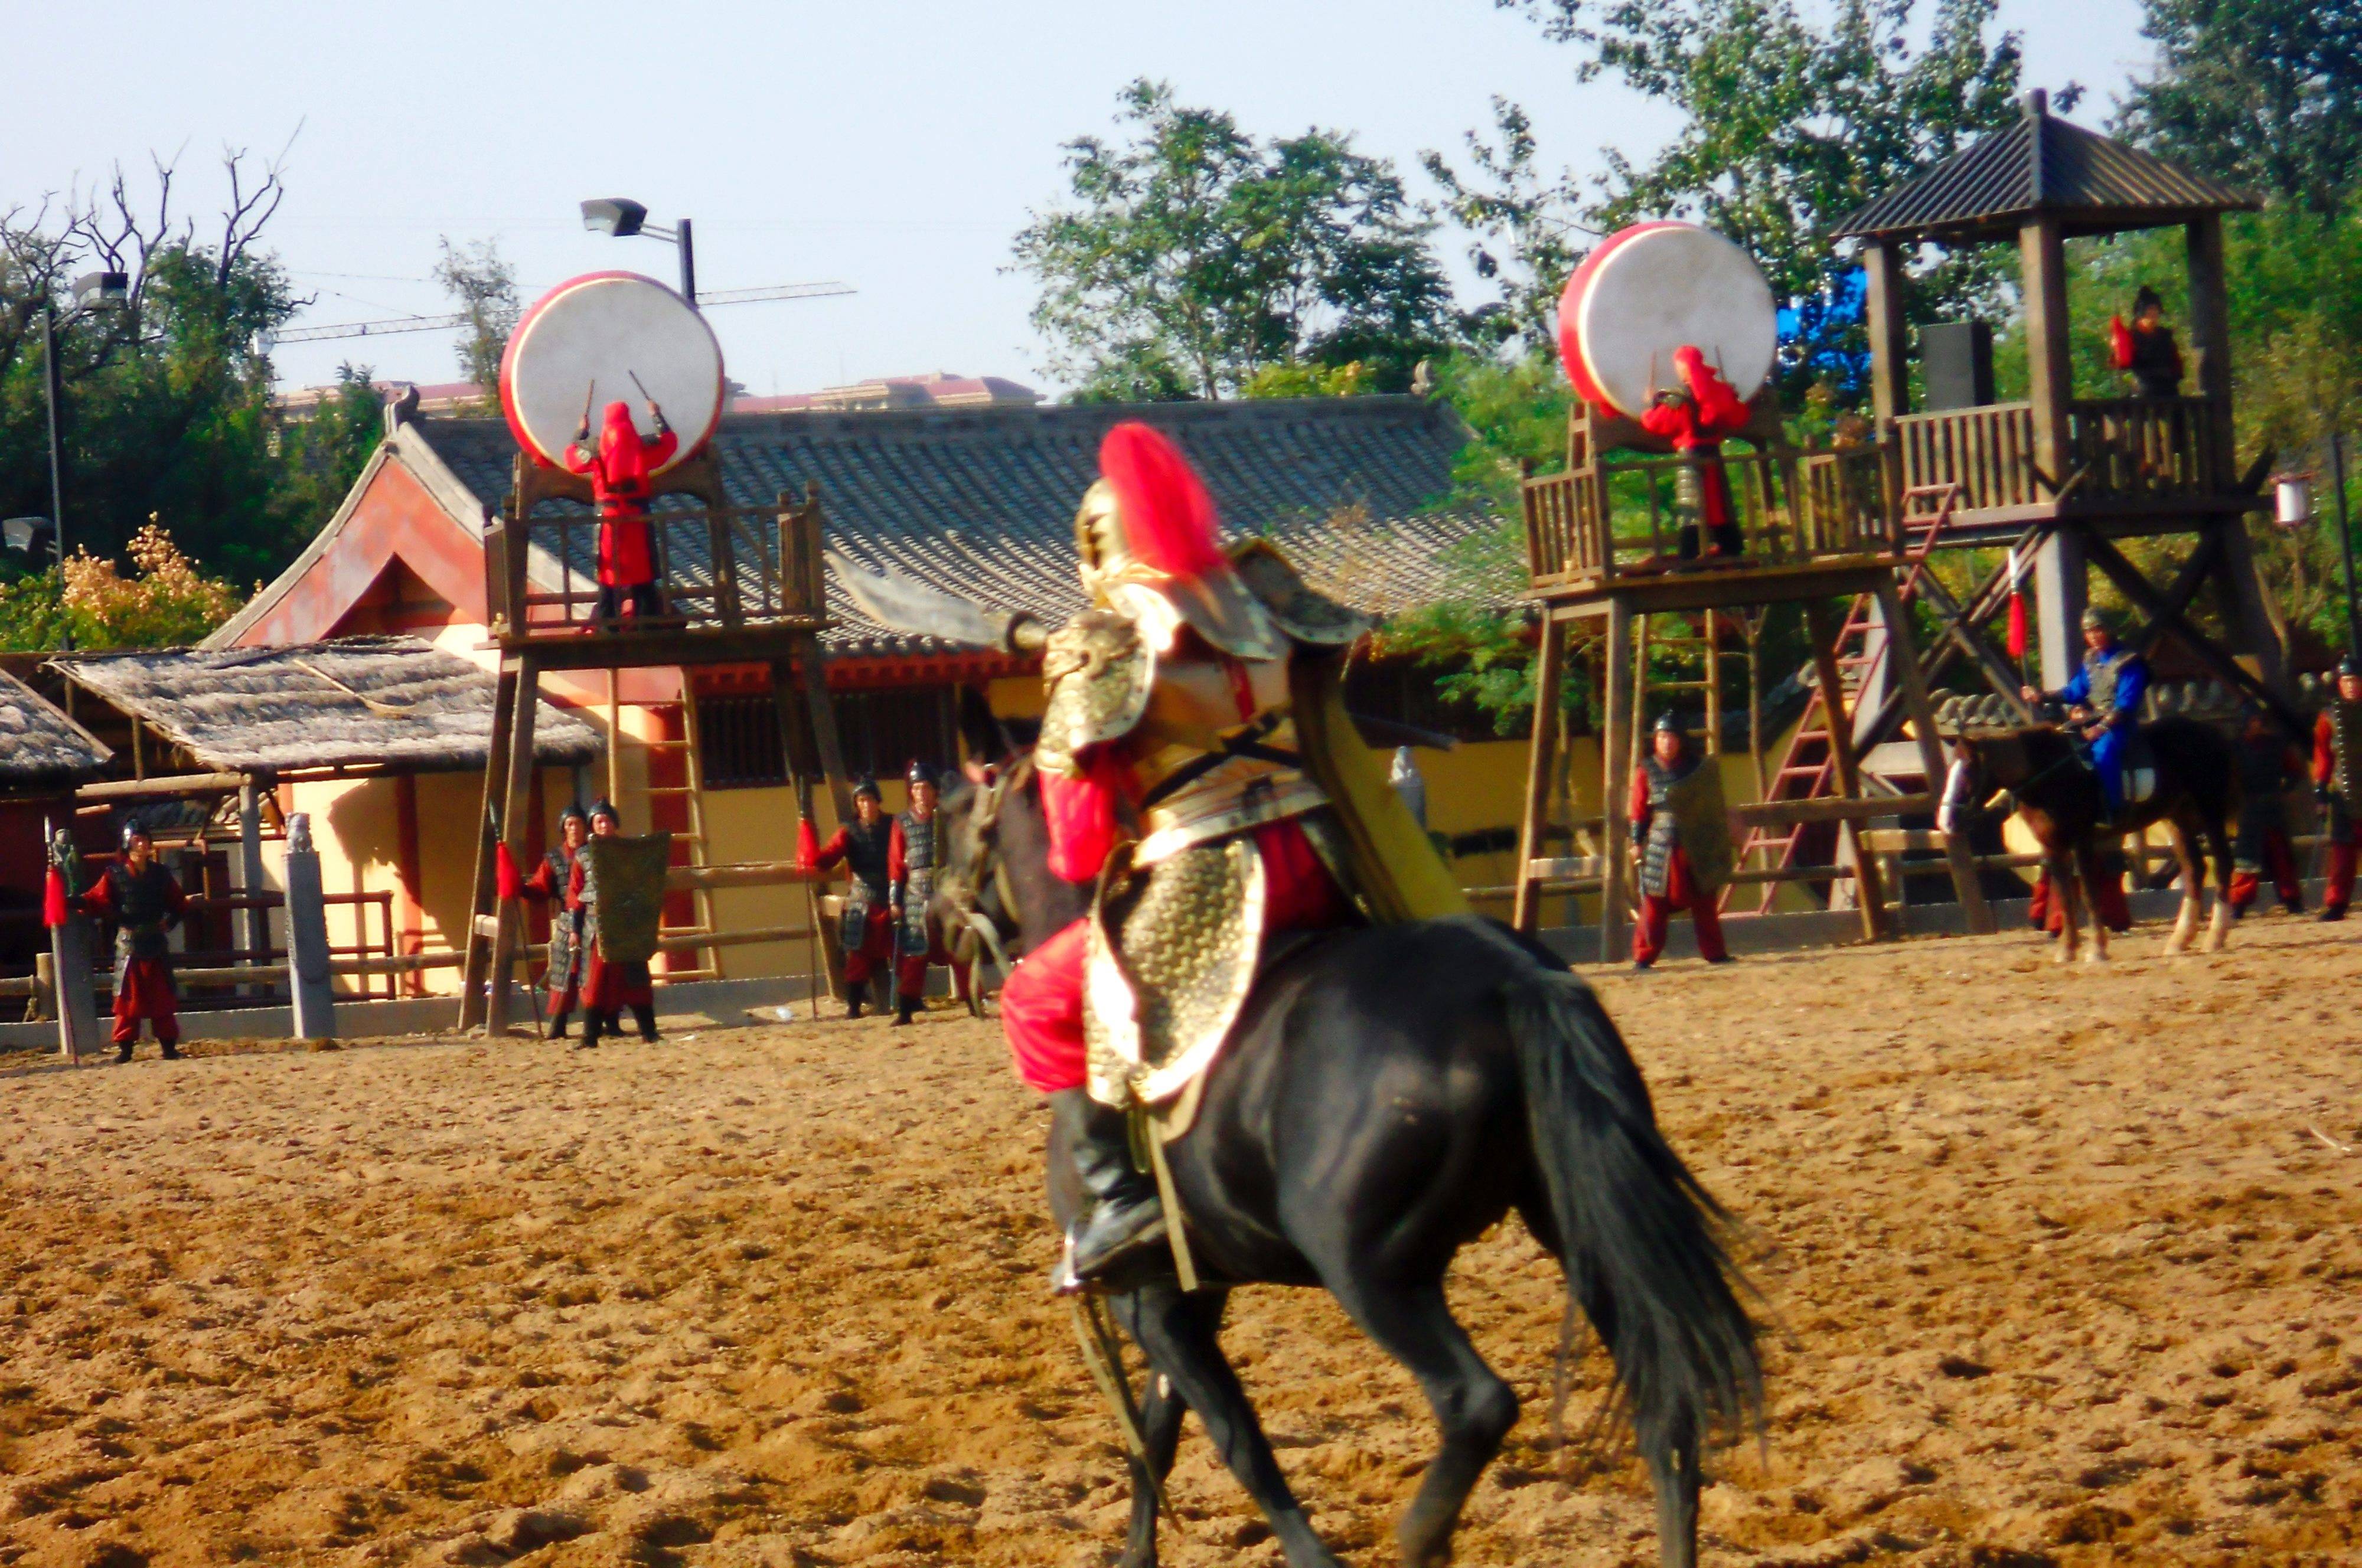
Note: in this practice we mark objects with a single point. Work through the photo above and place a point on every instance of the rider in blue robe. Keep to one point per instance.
(2103, 701)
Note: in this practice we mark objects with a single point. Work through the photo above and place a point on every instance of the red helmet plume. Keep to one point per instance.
(1161, 505)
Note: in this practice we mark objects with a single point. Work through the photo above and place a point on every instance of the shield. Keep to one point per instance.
(1704, 822)
(623, 881)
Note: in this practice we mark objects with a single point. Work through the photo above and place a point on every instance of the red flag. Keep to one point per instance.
(53, 899)
(807, 845)
(505, 871)
(2016, 625)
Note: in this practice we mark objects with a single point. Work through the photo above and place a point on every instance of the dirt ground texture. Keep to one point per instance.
(2061, 1268)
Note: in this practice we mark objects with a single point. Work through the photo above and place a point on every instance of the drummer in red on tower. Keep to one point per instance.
(1696, 416)
(622, 470)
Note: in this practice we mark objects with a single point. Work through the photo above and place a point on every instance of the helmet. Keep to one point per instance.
(918, 773)
(133, 829)
(2350, 668)
(1146, 535)
(2097, 620)
(607, 808)
(1670, 724)
(867, 786)
(573, 813)
(2145, 298)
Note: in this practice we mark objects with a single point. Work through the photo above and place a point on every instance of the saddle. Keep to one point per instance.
(2137, 766)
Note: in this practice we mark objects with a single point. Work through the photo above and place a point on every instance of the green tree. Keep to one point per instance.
(1192, 256)
(1787, 127)
(2264, 94)
(483, 285)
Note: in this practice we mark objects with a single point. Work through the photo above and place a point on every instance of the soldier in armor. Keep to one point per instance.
(557, 882)
(1684, 842)
(914, 862)
(1191, 769)
(2268, 765)
(144, 902)
(2337, 783)
(1696, 416)
(865, 846)
(2146, 350)
(2103, 701)
(608, 988)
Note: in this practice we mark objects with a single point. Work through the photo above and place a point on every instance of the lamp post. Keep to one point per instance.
(623, 217)
(90, 291)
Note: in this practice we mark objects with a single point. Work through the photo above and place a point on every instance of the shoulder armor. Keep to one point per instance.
(1305, 616)
(1098, 668)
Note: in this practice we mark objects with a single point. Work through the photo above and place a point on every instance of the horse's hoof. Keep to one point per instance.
(2095, 956)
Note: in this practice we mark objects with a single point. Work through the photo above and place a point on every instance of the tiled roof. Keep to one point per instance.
(981, 501)
(41, 748)
(2042, 164)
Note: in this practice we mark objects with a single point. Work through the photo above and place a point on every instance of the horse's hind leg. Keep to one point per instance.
(1675, 1472)
(2087, 877)
(1178, 1334)
(2193, 885)
(2218, 929)
(2066, 889)
(1471, 1403)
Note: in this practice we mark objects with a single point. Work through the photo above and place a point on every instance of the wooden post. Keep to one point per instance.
(2210, 329)
(254, 922)
(1621, 723)
(2049, 372)
(2263, 630)
(1904, 657)
(1890, 377)
(1541, 763)
(45, 987)
(808, 762)
(2061, 592)
(476, 973)
(516, 798)
(1842, 759)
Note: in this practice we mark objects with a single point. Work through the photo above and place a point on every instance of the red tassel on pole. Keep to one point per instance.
(505, 872)
(2017, 625)
(53, 899)
(807, 845)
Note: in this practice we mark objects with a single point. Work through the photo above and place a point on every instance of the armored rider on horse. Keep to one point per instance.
(2102, 703)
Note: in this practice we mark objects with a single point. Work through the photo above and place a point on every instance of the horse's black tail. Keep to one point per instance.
(1637, 1228)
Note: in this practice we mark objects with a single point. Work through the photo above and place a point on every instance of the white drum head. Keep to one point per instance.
(586, 339)
(1649, 290)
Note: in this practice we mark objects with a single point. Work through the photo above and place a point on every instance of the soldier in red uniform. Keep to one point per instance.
(1696, 416)
(2268, 765)
(144, 901)
(2337, 783)
(557, 881)
(1668, 881)
(622, 471)
(915, 860)
(608, 988)
(865, 846)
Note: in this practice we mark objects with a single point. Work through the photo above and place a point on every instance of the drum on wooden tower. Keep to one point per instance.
(1648, 290)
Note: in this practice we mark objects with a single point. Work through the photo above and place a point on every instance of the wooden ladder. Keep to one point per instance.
(1807, 769)
(690, 847)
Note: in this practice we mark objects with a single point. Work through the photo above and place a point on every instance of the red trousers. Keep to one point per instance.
(2044, 912)
(876, 949)
(2281, 862)
(1657, 913)
(911, 970)
(1041, 1004)
(2340, 891)
(146, 992)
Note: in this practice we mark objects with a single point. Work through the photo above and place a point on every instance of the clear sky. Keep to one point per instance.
(894, 146)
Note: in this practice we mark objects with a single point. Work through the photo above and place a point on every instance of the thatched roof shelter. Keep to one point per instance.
(353, 705)
(41, 748)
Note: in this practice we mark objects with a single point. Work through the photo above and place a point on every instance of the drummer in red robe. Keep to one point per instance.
(1697, 417)
(144, 902)
(623, 471)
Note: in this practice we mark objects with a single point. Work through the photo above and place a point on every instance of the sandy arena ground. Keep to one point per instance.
(2063, 1266)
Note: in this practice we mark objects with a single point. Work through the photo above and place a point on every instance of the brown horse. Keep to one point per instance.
(2058, 795)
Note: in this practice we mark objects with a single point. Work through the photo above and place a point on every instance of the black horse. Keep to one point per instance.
(1389, 1094)
(2197, 794)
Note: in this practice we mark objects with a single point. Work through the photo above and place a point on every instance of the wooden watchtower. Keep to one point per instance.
(1819, 527)
(2072, 477)
(742, 585)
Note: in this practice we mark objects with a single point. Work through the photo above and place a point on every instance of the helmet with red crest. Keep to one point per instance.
(1147, 534)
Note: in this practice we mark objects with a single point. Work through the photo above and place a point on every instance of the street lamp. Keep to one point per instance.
(623, 217)
(90, 291)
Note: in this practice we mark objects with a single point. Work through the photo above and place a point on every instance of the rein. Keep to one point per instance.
(984, 861)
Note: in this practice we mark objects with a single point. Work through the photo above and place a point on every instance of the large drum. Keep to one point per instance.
(1644, 292)
(581, 347)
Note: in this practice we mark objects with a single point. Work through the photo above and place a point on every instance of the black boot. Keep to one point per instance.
(172, 1050)
(558, 1023)
(853, 999)
(1125, 1214)
(903, 1009)
(644, 1015)
(2331, 912)
(123, 1052)
(590, 1023)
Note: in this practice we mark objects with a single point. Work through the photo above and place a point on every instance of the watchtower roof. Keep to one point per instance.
(2042, 166)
